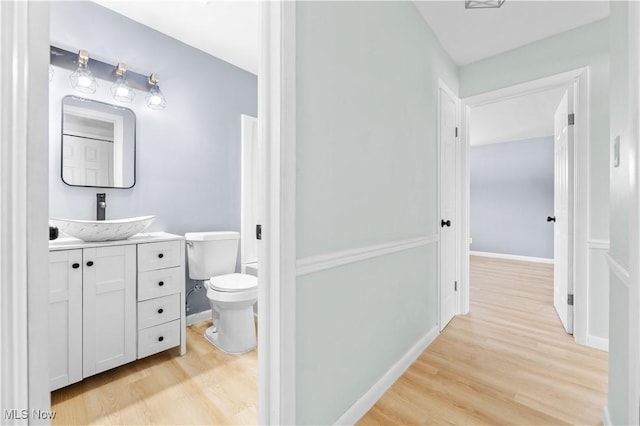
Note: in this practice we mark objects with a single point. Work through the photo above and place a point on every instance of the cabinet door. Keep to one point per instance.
(65, 318)
(109, 307)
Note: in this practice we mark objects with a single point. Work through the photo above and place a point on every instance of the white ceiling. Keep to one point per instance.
(519, 118)
(469, 35)
(230, 29)
(225, 29)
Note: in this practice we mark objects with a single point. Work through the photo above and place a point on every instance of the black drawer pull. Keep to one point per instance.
(160, 339)
(90, 263)
(160, 255)
(75, 265)
(161, 283)
(160, 310)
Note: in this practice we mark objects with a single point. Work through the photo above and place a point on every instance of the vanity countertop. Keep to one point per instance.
(68, 243)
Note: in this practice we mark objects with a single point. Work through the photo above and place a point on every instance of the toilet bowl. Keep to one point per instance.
(212, 260)
(232, 297)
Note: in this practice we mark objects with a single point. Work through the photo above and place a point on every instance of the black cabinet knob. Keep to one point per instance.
(160, 255)
(90, 263)
(551, 219)
(161, 283)
(160, 310)
(444, 223)
(75, 265)
(160, 339)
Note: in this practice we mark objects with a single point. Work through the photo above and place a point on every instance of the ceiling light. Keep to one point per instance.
(82, 79)
(483, 4)
(155, 98)
(121, 91)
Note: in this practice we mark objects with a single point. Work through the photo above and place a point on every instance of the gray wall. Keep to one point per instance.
(511, 197)
(188, 155)
(622, 293)
(367, 95)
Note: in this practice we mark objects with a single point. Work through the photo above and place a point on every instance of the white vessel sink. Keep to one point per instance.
(103, 230)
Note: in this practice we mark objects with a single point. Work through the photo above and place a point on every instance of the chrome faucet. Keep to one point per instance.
(101, 206)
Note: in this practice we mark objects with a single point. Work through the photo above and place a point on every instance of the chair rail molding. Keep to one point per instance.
(311, 264)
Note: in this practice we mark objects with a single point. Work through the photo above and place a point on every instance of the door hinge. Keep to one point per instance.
(455, 286)
(456, 132)
(572, 119)
(570, 299)
(258, 232)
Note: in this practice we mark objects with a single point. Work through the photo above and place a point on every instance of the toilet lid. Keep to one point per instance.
(233, 282)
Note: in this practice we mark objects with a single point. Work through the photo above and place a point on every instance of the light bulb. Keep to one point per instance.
(121, 91)
(84, 81)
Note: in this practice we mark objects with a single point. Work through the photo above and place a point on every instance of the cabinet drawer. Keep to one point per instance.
(159, 310)
(156, 339)
(159, 283)
(165, 254)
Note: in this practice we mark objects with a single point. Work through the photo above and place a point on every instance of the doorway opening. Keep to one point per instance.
(574, 259)
(516, 194)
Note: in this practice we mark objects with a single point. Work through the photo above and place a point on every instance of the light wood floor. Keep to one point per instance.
(508, 362)
(206, 386)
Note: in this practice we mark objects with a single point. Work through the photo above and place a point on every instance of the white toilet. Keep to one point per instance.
(212, 259)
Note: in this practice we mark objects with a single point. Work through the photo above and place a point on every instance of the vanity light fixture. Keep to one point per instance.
(155, 98)
(483, 4)
(121, 91)
(82, 79)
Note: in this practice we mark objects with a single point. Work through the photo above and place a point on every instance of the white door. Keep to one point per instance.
(87, 162)
(251, 178)
(563, 211)
(65, 318)
(109, 308)
(447, 139)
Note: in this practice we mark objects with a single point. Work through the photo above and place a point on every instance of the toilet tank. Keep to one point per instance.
(210, 254)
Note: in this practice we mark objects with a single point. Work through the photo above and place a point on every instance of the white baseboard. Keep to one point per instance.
(364, 404)
(199, 317)
(511, 257)
(598, 343)
(606, 417)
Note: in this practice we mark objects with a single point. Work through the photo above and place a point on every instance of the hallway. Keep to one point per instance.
(508, 362)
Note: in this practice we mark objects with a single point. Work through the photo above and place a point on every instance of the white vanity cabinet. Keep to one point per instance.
(65, 318)
(108, 308)
(111, 303)
(160, 286)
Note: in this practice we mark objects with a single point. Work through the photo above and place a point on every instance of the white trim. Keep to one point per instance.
(277, 250)
(598, 244)
(511, 257)
(620, 271)
(606, 416)
(24, 207)
(366, 401)
(199, 317)
(579, 78)
(598, 343)
(311, 264)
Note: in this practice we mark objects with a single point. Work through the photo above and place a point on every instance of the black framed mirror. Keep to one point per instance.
(98, 144)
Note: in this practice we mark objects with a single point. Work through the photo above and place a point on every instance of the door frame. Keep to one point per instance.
(277, 277)
(24, 202)
(456, 219)
(24, 207)
(580, 265)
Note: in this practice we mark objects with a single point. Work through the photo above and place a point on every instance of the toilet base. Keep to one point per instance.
(211, 334)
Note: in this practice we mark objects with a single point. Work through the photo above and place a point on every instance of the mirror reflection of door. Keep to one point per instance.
(98, 144)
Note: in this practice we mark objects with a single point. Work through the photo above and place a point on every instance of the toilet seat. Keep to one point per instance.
(233, 283)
